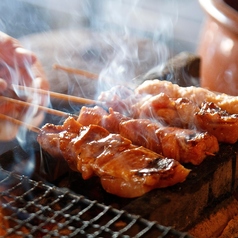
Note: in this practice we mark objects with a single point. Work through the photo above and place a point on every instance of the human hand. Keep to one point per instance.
(19, 66)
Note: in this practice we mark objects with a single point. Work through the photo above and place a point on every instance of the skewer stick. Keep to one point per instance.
(20, 123)
(45, 109)
(59, 96)
(76, 71)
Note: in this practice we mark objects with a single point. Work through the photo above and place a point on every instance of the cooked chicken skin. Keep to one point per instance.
(197, 95)
(183, 145)
(172, 105)
(124, 169)
(167, 110)
(221, 124)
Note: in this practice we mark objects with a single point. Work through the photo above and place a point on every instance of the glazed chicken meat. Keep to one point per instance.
(141, 141)
(183, 145)
(124, 169)
(173, 106)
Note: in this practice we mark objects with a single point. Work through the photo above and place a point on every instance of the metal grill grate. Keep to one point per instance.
(35, 209)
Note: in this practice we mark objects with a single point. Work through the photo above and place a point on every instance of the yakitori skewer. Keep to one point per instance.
(42, 108)
(140, 169)
(81, 72)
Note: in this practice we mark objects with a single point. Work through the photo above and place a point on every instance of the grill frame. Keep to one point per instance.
(23, 189)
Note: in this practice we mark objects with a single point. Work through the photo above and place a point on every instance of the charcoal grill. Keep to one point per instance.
(38, 206)
(51, 202)
(40, 210)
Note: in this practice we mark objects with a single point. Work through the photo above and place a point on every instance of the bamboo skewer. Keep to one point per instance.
(45, 109)
(54, 95)
(20, 123)
(28, 104)
(76, 71)
(57, 95)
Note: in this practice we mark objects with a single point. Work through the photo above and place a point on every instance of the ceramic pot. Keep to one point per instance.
(218, 46)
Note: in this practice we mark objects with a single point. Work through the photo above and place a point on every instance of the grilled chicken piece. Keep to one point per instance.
(124, 169)
(218, 122)
(183, 145)
(196, 94)
(168, 111)
(172, 105)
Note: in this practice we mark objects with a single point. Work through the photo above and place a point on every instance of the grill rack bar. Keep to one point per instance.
(36, 209)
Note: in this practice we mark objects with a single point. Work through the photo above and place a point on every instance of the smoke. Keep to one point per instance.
(140, 40)
(139, 34)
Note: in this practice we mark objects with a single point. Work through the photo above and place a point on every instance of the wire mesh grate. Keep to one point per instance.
(36, 209)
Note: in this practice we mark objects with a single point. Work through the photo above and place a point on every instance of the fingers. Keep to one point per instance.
(23, 57)
(40, 80)
(12, 54)
(16, 56)
(17, 75)
(18, 65)
(28, 75)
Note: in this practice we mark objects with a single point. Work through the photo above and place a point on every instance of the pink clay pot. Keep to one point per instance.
(218, 46)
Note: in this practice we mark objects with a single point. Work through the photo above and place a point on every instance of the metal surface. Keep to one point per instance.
(35, 209)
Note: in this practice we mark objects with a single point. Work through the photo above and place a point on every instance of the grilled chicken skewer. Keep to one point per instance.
(183, 145)
(124, 169)
(171, 105)
(179, 107)
(167, 111)
(178, 112)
